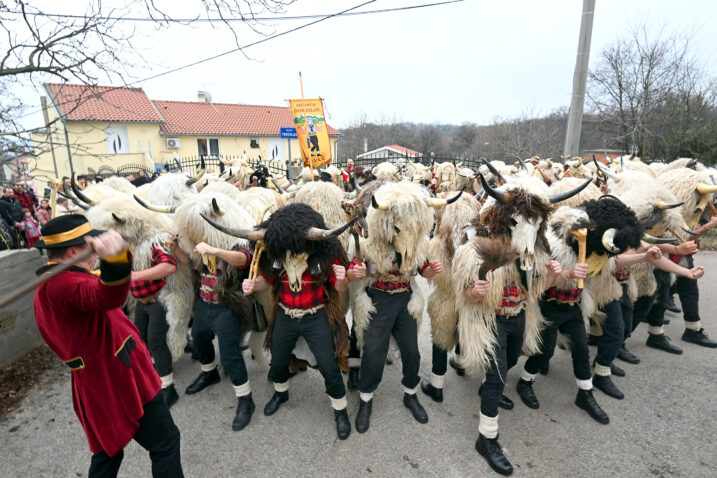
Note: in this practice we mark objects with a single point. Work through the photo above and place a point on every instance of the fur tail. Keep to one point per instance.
(494, 253)
(256, 345)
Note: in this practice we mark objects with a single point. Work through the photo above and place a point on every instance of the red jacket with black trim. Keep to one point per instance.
(79, 316)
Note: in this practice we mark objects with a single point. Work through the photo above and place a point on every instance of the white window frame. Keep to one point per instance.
(209, 152)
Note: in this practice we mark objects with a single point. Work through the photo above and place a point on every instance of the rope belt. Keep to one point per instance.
(299, 313)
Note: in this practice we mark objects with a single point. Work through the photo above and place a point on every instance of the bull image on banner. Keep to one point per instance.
(312, 130)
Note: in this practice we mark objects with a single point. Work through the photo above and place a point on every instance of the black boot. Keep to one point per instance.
(245, 408)
(363, 416)
(504, 402)
(617, 371)
(698, 337)
(435, 393)
(606, 385)
(170, 395)
(490, 449)
(353, 381)
(275, 402)
(454, 365)
(526, 393)
(343, 425)
(410, 400)
(627, 356)
(662, 342)
(204, 380)
(586, 401)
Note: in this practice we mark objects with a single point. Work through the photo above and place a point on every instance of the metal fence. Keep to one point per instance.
(468, 161)
(191, 164)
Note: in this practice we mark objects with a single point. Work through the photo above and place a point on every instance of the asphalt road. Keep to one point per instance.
(664, 427)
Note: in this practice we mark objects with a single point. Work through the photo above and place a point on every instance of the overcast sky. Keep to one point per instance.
(464, 62)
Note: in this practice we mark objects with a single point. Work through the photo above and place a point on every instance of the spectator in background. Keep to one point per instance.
(82, 181)
(11, 211)
(66, 186)
(63, 207)
(44, 212)
(141, 179)
(99, 179)
(30, 228)
(25, 197)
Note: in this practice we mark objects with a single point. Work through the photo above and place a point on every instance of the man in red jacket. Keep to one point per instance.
(115, 389)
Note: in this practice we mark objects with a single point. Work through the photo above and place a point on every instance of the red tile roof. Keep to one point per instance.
(107, 103)
(103, 103)
(403, 150)
(185, 117)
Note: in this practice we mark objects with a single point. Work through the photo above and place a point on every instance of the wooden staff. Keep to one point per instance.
(53, 198)
(354, 233)
(254, 267)
(679, 238)
(582, 235)
(62, 267)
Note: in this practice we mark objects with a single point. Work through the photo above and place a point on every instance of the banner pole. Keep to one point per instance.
(301, 82)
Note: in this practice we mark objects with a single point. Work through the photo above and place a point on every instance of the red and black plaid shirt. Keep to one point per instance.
(512, 297)
(563, 295)
(208, 280)
(143, 289)
(621, 276)
(389, 286)
(311, 294)
(25, 199)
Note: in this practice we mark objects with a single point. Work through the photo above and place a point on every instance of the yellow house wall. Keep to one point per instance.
(88, 146)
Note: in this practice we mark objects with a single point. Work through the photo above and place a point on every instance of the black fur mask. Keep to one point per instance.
(609, 212)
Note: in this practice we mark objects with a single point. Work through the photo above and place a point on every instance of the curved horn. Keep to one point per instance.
(380, 206)
(197, 177)
(438, 202)
(632, 156)
(250, 234)
(703, 188)
(225, 161)
(355, 183)
(658, 240)
(662, 206)
(554, 198)
(501, 197)
(152, 207)
(607, 241)
(317, 234)
(522, 164)
(72, 198)
(688, 230)
(279, 189)
(605, 172)
(179, 165)
(118, 218)
(215, 207)
(79, 194)
(498, 177)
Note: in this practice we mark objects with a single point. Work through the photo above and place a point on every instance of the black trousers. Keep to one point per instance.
(509, 342)
(613, 333)
(689, 294)
(157, 434)
(151, 320)
(391, 318)
(568, 320)
(627, 307)
(216, 319)
(652, 308)
(439, 358)
(315, 329)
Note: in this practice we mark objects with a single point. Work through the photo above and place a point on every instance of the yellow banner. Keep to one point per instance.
(312, 131)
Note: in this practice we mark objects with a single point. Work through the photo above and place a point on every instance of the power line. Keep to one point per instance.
(233, 20)
(348, 11)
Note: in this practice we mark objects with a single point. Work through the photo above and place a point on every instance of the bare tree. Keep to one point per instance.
(639, 85)
(430, 139)
(91, 48)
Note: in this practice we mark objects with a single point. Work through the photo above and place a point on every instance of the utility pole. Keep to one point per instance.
(48, 128)
(575, 116)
